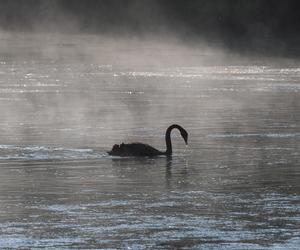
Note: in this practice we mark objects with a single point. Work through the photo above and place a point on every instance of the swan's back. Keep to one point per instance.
(134, 149)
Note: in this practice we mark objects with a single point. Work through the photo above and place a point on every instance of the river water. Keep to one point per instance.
(64, 104)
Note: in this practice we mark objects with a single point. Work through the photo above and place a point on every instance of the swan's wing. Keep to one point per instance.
(139, 149)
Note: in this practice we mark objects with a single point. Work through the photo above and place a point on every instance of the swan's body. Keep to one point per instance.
(140, 149)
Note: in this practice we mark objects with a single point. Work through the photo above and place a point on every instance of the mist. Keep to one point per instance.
(125, 42)
(262, 27)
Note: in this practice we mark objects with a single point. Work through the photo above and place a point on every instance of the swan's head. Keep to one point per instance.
(184, 135)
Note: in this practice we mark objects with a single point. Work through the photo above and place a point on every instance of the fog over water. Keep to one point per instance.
(67, 97)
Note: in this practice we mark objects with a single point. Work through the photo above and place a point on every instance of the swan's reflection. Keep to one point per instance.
(176, 173)
(168, 168)
(161, 172)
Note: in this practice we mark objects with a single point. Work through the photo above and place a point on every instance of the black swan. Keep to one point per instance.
(140, 149)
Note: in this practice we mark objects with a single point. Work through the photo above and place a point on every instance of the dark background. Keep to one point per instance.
(263, 26)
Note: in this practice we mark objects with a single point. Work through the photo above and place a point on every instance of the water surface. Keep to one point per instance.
(235, 187)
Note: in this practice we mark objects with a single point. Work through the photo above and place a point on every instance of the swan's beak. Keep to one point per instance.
(186, 142)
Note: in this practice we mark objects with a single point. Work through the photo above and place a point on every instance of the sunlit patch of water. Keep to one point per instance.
(244, 73)
(265, 135)
(34, 152)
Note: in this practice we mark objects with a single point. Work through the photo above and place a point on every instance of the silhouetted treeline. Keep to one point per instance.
(259, 24)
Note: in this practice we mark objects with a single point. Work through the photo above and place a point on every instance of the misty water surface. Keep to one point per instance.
(64, 102)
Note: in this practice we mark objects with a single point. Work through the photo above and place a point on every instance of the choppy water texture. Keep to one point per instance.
(64, 104)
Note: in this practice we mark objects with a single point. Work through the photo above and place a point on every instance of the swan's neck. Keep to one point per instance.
(168, 139)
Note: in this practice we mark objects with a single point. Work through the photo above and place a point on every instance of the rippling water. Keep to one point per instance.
(237, 186)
